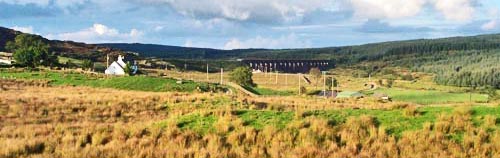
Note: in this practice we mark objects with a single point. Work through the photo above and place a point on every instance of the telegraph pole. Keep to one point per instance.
(207, 73)
(332, 86)
(276, 77)
(324, 84)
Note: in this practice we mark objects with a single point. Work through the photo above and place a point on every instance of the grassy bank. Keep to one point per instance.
(395, 122)
(139, 83)
(268, 91)
(427, 97)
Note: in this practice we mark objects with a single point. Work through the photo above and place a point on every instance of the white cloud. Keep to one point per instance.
(490, 25)
(260, 11)
(68, 3)
(289, 41)
(380, 9)
(456, 10)
(158, 28)
(25, 2)
(44, 3)
(494, 13)
(27, 29)
(99, 33)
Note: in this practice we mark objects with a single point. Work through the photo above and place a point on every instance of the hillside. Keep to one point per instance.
(64, 48)
(346, 54)
(176, 52)
(459, 61)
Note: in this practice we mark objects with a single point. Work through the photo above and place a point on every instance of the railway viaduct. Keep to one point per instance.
(288, 66)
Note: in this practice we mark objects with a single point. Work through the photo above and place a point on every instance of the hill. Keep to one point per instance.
(176, 52)
(459, 61)
(64, 48)
(345, 54)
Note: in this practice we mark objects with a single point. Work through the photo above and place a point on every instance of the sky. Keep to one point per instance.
(237, 24)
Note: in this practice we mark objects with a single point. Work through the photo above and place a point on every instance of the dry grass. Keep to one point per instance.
(86, 122)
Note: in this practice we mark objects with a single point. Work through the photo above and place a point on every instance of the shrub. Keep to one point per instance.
(242, 76)
(411, 111)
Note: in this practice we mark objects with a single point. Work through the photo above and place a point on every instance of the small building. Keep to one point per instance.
(6, 58)
(118, 67)
(350, 94)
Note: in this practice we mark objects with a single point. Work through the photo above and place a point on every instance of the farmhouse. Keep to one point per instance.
(118, 67)
(6, 58)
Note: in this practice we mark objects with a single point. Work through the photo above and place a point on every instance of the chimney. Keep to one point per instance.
(107, 60)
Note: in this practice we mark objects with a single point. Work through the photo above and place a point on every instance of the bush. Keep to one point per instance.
(411, 111)
(242, 76)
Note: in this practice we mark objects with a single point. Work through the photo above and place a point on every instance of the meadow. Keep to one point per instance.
(428, 97)
(71, 114)
(139, 83)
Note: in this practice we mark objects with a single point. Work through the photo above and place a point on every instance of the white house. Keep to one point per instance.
(117, 67)
(6, 58)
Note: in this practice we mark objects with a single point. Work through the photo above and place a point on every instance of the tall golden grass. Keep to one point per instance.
(39, 121)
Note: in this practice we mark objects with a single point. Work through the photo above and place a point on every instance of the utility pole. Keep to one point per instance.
(276, 77)
(270, 74)
(324, 84)
(332, 86)
(207, 73)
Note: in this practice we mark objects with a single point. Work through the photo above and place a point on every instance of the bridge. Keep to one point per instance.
(288, 66)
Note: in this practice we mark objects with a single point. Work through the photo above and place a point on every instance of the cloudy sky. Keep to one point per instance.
(232, 24)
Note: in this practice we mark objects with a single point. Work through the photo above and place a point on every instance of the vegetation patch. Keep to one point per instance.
(260, 119)
(427, 97)
(268, 91)
(139, 83)
(197, 122)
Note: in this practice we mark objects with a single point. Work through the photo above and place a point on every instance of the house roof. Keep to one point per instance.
(6, 54)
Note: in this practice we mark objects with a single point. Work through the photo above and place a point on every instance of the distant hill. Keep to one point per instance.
(7, 35)
(346, 54)
(176, 52)
(459, 61)
(64, 48)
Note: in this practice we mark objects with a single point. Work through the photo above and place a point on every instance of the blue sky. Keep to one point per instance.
(232, 24)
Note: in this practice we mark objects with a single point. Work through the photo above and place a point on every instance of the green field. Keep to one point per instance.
(269, 92)
(395, 122)
(428, 97)
(139, 83)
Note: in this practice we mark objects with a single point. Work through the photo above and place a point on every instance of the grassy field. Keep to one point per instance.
(91, 115)
(427, 97)
(140, 83)
(81, 121)
(269, 92)
(395, 121)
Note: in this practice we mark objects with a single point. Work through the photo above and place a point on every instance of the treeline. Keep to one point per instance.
(477, 68)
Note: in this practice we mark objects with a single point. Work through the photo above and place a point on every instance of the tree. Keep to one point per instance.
(390, 82)
(316, 73)
(242, 76)
(331, 82)
(31, 51)
(492, 93)
(128, 69)
(88, 64)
